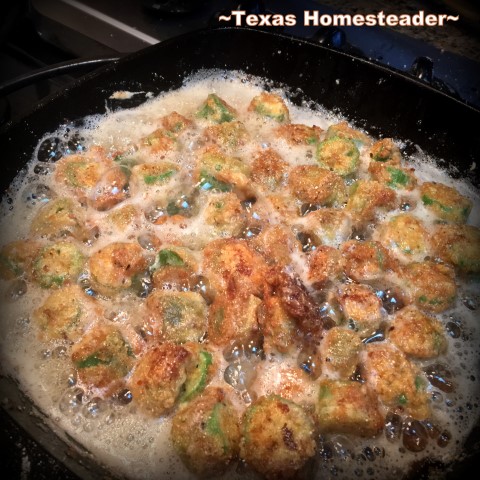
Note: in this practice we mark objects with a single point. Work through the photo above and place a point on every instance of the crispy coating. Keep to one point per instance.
(102, 357)
(279, 329)
(333, 226)
(175, 123)
(174, 269)
(112, 267)
(366, 261)
(123, 217)
(206, 433)
(182, 315)
(234, 268)
(299, 134)
(285, 206)
(431, 286)
(59, 218)
(16, 258)
(361, 308)
(110, 190)
(417, 334)
(228, 135)
(396, 380)
(367, 198)
(234, 318)
(216, 110)
(343, 130)
(160, 141)
(339, 155)
(270, 105)
(405, 236)
(399, 178)
(217, 171)
(58, 264)
(347, 407)
(445, 202)
(385, 151)
(225, 214)
(82, 171)
(277, 437)
(317, 185)
(268, 169)
(276, 243)
(340, 350)
(298, 303)
(158, 378)
(458, 245)
(152, 176)
(325, 265)
(65, 314)
(173, 277)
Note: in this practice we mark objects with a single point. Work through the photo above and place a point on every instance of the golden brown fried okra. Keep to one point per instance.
(182, 315)
(361, 308)
(229, 135)
(16, 258)
(405, 236)
(339, 155)
(417, 334)
(325, 265)
(58, 264)
(270, 105)
(225, 214)
(366, 261)
(385, 151)
(399, 178)
(299, 134)
(398, 383)
(340, 350)
(317, 185)
(102, 357)
(458, 245)
(268, 169)
(206, 433)
(368, 198)
(216, 110)
(431, 286)
(175, 123)
(111, 189)
(343, 130)
(82, 171)
(157, 380)
(218, 172)
(278, 437)
(233, 317)
(345, 406)
(66, 313)
(445, 202)
(58, 218)
(234, 267)
(113, 266)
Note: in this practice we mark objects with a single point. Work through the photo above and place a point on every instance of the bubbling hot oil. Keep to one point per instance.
(135, 447)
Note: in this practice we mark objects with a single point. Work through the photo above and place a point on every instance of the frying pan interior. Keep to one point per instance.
(383, 102)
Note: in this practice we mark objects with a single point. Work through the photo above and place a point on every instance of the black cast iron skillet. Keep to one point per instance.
(383, 102)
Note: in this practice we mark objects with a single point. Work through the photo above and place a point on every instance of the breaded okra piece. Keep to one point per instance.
(278, 437)
(206, 433)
